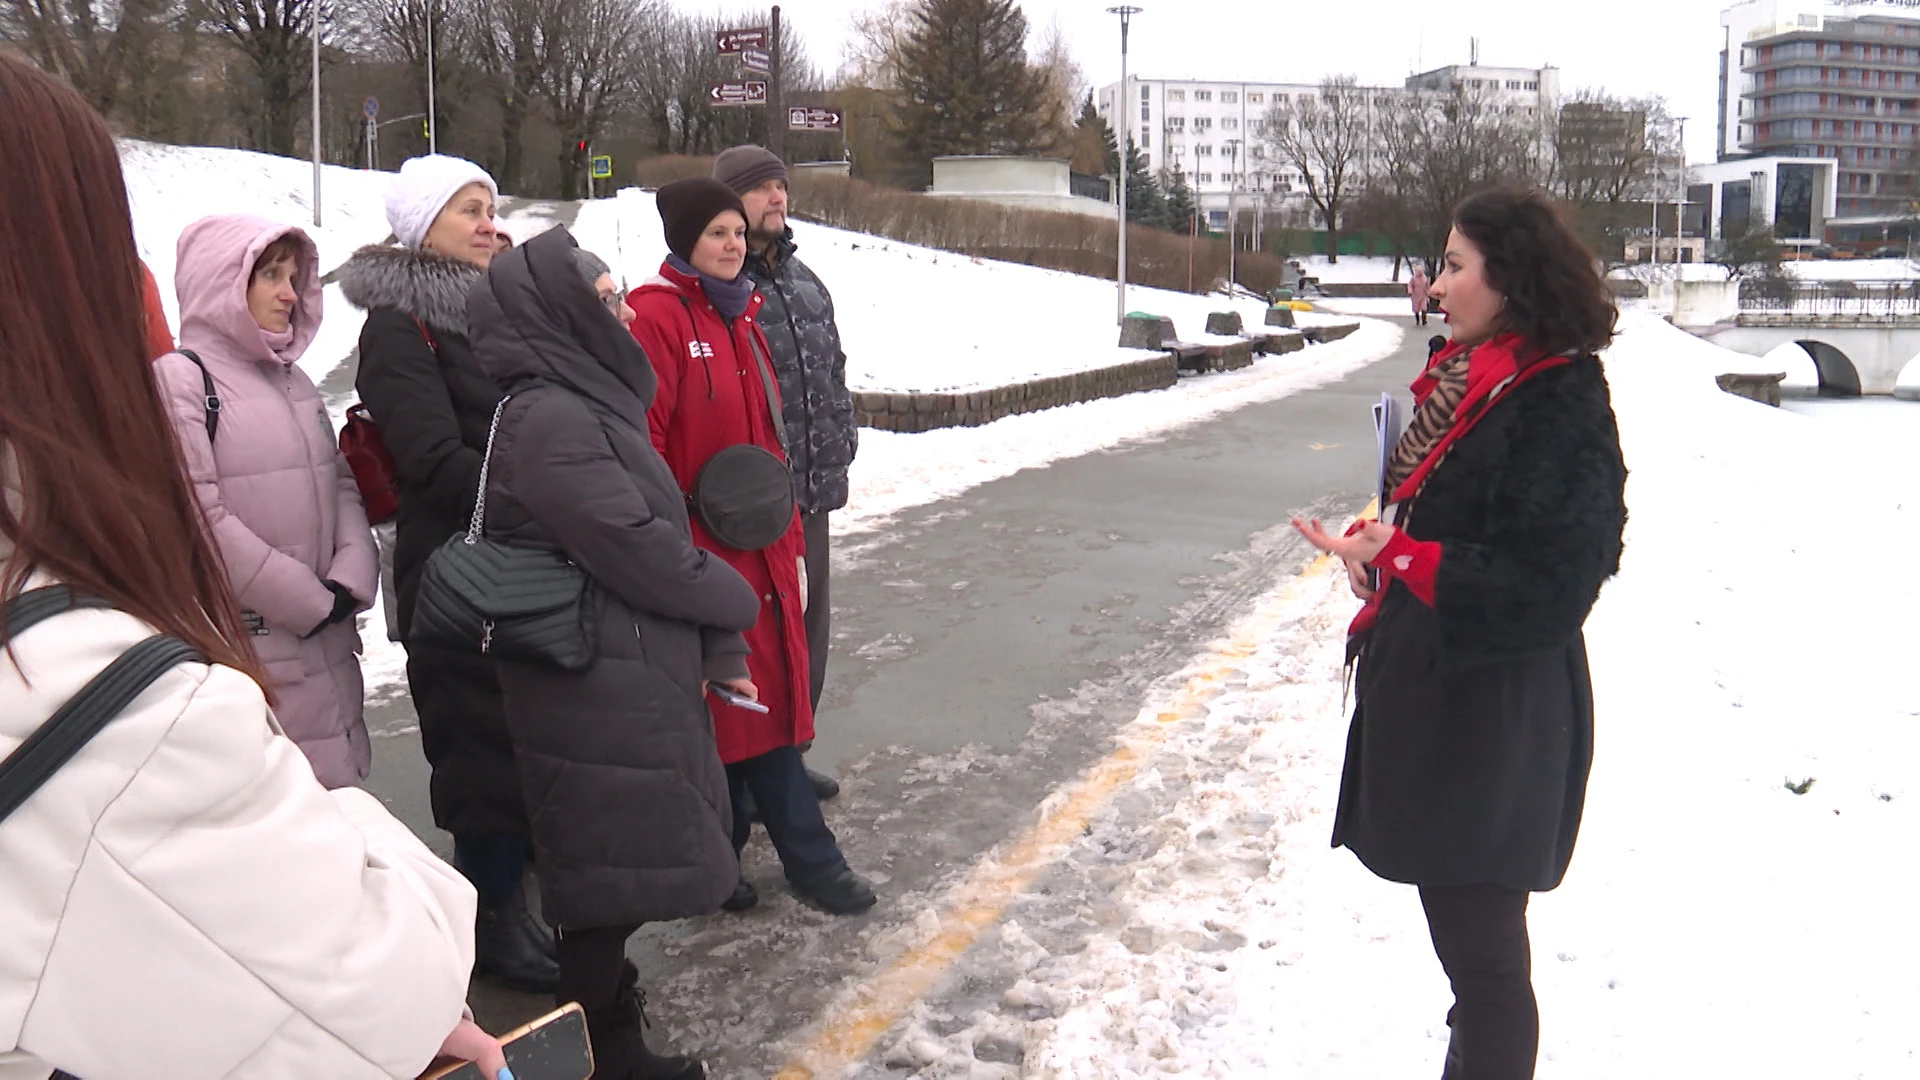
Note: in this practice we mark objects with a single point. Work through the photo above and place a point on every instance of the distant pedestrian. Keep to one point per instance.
(699, 323)
(279, 497)
(419, 379)
(1472, 735)
(629, 801)
(1418, 289)
(803, 338)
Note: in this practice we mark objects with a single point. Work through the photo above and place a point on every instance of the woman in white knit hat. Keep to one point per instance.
(418, 378)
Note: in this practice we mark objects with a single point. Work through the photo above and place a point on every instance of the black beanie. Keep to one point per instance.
(687, 207)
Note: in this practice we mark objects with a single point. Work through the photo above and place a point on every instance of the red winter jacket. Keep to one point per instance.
(712, 397)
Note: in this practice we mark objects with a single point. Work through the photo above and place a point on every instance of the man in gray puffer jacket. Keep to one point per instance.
(799, 323)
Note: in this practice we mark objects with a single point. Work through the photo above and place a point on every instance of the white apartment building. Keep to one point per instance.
(1215, 132)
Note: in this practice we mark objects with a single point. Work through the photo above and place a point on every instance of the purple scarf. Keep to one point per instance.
(729, 298)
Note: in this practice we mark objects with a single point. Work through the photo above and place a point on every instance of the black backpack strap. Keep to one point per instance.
(206, 385)
(55, 742)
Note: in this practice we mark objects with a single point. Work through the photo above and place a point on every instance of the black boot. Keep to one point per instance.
(842, 892)
(744, 896)
(824, 787)
(504, 948)
(541, 935)
(620, 1049)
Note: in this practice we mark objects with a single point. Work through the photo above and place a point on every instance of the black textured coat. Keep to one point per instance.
(631, 816)
(1468, 756)
(433, 406)
(816, 406)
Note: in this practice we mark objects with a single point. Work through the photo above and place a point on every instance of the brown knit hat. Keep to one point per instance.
(688, 206)
(744, 168)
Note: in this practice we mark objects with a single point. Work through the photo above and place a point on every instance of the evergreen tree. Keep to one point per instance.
(967, 83)
(1146, 205)
(1180, 205)
(1093, 146)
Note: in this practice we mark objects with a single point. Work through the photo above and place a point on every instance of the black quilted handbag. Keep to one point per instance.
(522, 604)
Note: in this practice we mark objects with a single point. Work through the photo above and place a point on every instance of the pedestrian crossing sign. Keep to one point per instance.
(602, 167)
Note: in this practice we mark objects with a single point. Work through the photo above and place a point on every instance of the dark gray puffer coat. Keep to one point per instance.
(624, 787)
(798, 320)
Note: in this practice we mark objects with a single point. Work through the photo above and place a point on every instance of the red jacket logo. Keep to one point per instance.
(699, 350)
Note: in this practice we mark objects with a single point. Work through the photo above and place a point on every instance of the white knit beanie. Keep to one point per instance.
(424, 188)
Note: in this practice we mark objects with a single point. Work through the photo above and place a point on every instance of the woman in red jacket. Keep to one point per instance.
(696, 322)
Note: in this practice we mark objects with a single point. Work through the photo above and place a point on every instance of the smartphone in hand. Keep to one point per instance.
(726, 694)
(553, 1047)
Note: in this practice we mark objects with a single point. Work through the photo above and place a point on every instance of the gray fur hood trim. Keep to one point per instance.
(431, 288)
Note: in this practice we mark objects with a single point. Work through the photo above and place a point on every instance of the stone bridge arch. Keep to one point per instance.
(1838, 376)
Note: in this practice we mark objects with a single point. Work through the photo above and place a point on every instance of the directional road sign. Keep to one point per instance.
(371, 107)
(601, 167)
(733, 41)
(753, 92)
(800, 119)
(760, 60)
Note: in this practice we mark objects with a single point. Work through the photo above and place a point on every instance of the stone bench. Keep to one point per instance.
(1321, 335)
(970, 408)
(1764, 389)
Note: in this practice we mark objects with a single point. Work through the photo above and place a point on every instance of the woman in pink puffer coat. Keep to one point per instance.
(281, 503)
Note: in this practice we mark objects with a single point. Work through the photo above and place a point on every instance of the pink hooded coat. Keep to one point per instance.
(1417, 289)
(281, 502)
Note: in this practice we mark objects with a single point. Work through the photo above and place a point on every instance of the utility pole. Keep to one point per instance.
(315, 35)
(433, 119)
(1233, 212)
(1680, 204)
(1122, 136)
(776, 109)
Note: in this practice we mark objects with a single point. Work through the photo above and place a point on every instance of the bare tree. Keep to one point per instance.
(513, 43)
(1326, 138)
(1435, 149)
(91, 44)
(591, 74)
(274, 37)
(871, 55)
(1607, 153)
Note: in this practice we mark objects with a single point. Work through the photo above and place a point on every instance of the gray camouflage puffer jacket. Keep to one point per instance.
(799, 323)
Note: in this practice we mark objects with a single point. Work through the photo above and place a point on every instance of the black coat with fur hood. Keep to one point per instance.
(418, 377)
(1468, 756)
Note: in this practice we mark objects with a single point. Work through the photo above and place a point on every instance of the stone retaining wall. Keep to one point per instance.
(927, 412)
(1354, 290)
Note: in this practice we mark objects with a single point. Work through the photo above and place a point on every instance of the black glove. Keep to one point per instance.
(343, 605)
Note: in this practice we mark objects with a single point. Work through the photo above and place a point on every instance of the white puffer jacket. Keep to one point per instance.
(185, 900)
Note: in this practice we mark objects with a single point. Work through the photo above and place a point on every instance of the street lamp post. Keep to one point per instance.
(1123, 128)
(315, 36)
(433, 125)
(1232, 147)
(1680, 204)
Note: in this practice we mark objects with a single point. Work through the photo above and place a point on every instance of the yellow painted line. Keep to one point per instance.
(859, 1017)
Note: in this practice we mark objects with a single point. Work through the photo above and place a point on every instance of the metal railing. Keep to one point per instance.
(1868, 298)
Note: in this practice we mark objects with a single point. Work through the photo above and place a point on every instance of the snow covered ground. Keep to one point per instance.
(1715, 923)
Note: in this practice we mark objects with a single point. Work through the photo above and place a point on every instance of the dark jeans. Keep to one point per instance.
(790, 811)
(819, 617)
(592, 963)
(1480, 935)
(494, 864)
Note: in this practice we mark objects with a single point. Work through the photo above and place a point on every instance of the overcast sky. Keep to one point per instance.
(1668, 47)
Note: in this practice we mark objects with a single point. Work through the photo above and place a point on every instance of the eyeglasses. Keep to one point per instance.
(613, 301)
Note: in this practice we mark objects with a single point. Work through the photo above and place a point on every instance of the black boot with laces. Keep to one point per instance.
(620, 1050)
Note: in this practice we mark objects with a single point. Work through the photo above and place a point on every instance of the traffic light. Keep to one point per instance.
(425, 132)
(581, 146)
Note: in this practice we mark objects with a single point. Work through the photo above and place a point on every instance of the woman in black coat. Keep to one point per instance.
(1467, 760)
(629, 801)
(419, 380)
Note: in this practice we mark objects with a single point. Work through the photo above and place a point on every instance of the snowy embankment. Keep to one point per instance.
(1740, 901)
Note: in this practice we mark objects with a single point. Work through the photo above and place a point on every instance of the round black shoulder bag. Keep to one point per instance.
(743, 495)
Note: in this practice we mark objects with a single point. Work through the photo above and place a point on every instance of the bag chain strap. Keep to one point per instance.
(478, 523)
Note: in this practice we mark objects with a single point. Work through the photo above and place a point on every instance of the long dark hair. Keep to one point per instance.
(1556, 299)
(106, 505)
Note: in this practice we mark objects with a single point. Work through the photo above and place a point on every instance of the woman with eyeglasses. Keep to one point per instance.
(624, 783)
